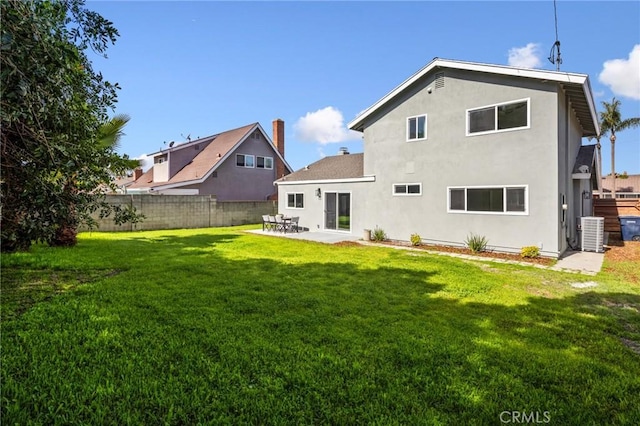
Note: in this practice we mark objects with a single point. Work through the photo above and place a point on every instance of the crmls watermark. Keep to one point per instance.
(525, 417)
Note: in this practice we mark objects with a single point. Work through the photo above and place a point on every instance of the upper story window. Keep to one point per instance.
(417, 128)
(500, 117)
(407, 189)
(160, 159)
(295, 200)
(243, 160)
(264, 162)
(491, 199)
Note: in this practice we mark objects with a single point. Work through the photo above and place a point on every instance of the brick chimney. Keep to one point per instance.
(137, 172)
(278, 141)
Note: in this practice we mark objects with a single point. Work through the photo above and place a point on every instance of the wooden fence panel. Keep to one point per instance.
(611, 209)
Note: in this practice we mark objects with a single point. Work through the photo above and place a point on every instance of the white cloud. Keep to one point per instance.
(623, 75)
(146, 161)
(525, 57)
(324, 126)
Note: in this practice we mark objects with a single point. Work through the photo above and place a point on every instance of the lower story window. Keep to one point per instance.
(492, 199)
(295, 201)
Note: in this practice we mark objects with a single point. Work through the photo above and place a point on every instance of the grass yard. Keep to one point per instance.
(216, 326)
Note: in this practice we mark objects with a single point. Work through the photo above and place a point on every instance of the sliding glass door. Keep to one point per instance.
(337, 211)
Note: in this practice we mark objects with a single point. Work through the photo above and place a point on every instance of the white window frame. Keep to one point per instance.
(495, 123)
(264, 161)
(253, 160)
(504, 201)
(406, 193)
(295, 194)
(426, 127)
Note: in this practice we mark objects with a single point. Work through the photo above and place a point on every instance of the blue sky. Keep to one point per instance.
(202, 67)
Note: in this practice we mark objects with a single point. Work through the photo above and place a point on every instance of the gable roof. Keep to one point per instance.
(577, 86)
(336, 167)
(219, 147)
(586, 157)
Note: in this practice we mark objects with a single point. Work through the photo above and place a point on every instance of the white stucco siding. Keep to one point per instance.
(569, 142)
(450, 158)
(312, 215)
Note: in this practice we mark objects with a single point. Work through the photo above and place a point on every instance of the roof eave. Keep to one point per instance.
(357, 124)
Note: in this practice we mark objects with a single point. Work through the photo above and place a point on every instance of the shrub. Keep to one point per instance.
(416, 240)
(476, 243)
(530, 251)
(378, 234)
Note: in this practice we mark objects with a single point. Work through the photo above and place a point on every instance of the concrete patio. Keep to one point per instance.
(319, 237)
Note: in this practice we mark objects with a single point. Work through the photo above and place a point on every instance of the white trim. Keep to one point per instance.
(319, 181)
(295, 194)
(581, 175)
(560, 77)
(504, 200)
(495, 118)
(406, 194)
(426, 126)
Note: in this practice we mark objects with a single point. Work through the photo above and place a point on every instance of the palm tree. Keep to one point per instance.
(108, 139)
(611, 121)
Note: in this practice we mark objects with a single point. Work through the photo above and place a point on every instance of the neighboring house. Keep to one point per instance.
(461, 148)
(123, 182)
(239, 164)
(627, 186)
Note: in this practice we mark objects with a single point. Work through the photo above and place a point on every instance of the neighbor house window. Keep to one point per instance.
(492, 199)
(295, 201)
(243, 160)
(499, 117)
(407, 189)
(417, 128)
(264, 162)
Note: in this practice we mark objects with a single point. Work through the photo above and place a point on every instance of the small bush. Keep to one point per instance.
(378, 234)
(476, 243)
(530, 251)
(416, 240)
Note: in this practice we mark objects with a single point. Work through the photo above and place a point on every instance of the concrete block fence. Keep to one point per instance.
(186, 211)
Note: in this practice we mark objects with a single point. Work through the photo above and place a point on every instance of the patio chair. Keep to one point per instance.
(293, 224)
(272, 223)
(280, 223)
(266, 223)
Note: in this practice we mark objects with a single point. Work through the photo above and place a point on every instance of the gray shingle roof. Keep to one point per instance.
(347, 166)
(585, 157)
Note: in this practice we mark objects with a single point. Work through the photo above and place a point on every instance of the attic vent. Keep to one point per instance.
(197, 147)
(214, 174)
(255, 135)
(439, 80)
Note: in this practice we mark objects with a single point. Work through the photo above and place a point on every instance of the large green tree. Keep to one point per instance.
(53, 105)
(611, 122)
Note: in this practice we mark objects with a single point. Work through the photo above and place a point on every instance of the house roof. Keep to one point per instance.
(336, 167)
(576, 86)
(585, 158)
(218, 148)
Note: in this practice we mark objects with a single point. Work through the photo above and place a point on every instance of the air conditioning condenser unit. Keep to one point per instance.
(592, 233)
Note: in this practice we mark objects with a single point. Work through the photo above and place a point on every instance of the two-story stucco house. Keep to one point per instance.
(461, 148)
(239, 164)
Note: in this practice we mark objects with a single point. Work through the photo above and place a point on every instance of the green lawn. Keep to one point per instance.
(218, 326)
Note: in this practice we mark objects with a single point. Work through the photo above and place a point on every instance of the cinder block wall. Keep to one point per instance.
(186, 211)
